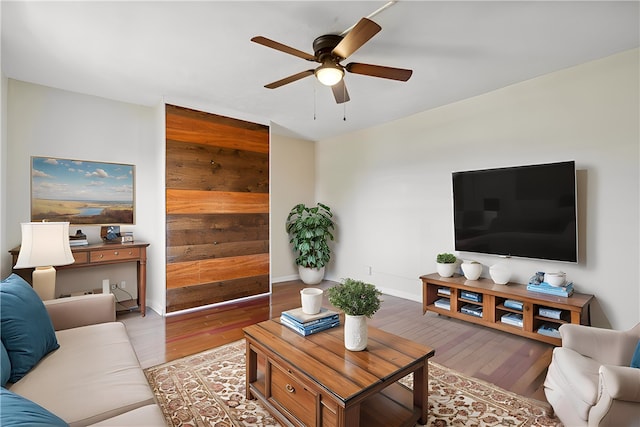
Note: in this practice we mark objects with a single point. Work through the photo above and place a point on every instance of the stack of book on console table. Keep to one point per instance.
(307, 324)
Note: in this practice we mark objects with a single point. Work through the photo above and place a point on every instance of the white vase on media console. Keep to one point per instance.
(471, 269)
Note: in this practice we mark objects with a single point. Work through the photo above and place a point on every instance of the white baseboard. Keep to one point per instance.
(400, 294)
(285, 278)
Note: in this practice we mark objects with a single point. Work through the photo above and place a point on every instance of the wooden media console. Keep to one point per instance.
(444, 295)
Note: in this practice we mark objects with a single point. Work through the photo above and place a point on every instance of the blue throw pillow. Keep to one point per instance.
(635, 360)
(15, 410)
(5, 366)
(25, 326)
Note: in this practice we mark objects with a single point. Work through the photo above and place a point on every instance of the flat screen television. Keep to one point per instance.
(523, 211)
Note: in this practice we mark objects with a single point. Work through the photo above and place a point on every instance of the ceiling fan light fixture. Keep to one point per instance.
(329, 73)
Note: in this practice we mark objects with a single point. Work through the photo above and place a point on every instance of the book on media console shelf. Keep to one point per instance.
(78, 242)
(443, 303)
(308, 330)
(304, 319)
(513, 319)
(549, 330)
(513, 304)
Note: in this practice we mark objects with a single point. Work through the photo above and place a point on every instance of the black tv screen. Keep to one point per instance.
(524, 211)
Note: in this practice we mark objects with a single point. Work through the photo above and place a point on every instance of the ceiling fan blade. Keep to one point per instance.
(289, 79)
(340, 92)
(359, 35)
(283, 48)
(379, 71)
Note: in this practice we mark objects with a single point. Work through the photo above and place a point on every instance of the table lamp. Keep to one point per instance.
(44, 244)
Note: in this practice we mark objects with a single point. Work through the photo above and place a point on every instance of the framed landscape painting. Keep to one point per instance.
(82, 192)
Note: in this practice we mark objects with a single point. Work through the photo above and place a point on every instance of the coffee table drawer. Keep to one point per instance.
(289, 393)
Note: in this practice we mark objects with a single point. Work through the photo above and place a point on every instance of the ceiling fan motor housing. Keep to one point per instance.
(323, 45)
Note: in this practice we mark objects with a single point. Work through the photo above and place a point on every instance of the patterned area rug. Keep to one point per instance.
(208, 389)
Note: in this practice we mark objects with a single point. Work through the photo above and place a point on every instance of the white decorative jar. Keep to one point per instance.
(355, 332)
(311, 276)
(446, 270)
(471, 269)
(500, 273)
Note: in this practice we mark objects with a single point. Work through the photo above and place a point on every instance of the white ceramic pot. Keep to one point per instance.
(446, 270)
(500, 273)
(311, 276)
(311, 300)
(555, 279)
(471, 270)
(355, 332)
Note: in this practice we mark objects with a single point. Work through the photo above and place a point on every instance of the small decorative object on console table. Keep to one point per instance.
(446, 264)
(471, 269)
(539, 283)
(358, 300)
(500, 272)
(78, 239)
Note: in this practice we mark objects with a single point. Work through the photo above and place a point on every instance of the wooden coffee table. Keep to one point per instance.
(315, 381)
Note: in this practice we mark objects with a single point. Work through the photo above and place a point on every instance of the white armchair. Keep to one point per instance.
(590, 381)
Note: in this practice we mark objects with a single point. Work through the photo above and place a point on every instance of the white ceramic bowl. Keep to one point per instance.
(499, 275)
(555, 279)
(471, 270)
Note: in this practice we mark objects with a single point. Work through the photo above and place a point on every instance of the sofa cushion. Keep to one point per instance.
(15, 410)
(5, 365)
(635, 360)
(25, 328)
(94, 376)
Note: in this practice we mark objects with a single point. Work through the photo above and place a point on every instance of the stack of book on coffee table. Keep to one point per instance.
(307, 324)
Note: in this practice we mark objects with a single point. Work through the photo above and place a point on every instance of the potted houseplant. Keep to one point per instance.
(446, 264)
(359, 301)
(309, 229)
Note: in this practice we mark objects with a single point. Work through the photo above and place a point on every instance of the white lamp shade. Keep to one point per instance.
(44, 244)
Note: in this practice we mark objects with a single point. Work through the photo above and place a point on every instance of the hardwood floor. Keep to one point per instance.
(514, 363)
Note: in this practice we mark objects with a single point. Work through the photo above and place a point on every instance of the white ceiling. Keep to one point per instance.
(198, 54)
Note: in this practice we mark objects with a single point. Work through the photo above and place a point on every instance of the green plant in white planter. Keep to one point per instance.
(309, 229)
(358, 300)
(446, 264)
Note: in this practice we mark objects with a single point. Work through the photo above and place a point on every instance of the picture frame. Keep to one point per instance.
(82, 192)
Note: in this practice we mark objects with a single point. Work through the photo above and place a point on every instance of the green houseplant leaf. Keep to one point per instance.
(355, 298)
(309, 230)
(446, 258)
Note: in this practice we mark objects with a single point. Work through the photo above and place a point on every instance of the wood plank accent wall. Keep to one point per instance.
(217, 206)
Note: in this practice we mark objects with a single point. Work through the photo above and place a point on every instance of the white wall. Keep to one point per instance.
(292, 181)
(55, 123)
(390, 186)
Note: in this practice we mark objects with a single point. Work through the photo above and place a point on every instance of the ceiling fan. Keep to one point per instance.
(329, 50)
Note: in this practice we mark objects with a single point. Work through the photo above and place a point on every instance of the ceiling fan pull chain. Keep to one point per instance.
(314, 102)
(344, 104)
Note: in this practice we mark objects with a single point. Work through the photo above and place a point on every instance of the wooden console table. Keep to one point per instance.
(444, 295)
(314, 381)
(103, 254)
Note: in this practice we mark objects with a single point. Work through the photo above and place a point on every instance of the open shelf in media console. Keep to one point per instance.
(498, 301)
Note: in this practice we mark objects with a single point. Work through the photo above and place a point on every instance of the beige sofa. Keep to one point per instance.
(590, 381)
(94, 378)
